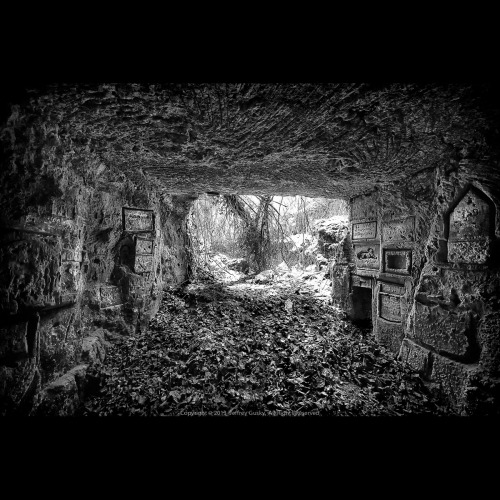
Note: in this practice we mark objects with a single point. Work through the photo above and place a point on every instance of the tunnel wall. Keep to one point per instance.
(428, 251)
(84, 256)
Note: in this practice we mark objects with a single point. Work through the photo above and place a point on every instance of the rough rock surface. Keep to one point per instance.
(96, 181)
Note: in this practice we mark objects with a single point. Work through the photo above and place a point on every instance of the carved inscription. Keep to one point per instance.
(72, 254)
(138, 220)
(143, 263)
(469, 230)
(390, 335)
(390, 307)
(110, 296)
(144, 246)
(364, 230)
(361, 281)
(399, 230)
(367, 256)
(391, 288)
(397, 261)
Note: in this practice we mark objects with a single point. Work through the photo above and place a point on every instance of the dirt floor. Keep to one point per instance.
(277, 348)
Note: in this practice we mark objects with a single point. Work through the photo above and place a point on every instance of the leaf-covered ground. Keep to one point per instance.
(254, 350)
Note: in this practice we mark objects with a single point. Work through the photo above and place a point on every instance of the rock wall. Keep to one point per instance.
(425, 270)
(83, 250)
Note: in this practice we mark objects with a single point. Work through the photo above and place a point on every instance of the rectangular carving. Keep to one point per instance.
(144, 246)
(469, 252)
(72, 254)
(391, 288)
(110, 296)
(143, 263)
(361, 281)
(367, 256)
(389, 307)
(138, 220)
(364, 230)
(397, 261)
(399, 230)
(390, 335)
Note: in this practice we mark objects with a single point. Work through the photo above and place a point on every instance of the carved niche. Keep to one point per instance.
(367, 256)
(470, 229)
(361, 281)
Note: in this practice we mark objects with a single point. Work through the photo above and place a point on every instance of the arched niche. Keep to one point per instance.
(469, 228)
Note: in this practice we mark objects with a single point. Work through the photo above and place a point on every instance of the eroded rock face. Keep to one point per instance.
(429, 299)
(83, 248)
(96, 181)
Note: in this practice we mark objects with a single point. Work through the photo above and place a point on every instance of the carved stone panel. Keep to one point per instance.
(391, 288)
(397, 261)
(469, 252)
(143, 263)
(72, 254)
(361, 281)
(138, 220)
(390, 307)
(144, 246)
(399, 230)
(364, 230)
(367, 256)
(468, 240)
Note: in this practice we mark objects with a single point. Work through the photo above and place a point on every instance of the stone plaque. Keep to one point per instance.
(72, 254)
(469, 237)
(364, 230)
(390, 307)
(138, 220)
(397, 261)
(367, 256)
(361, 281)
(391, 288)
(143, 263)
(144, 246)
(399, 230)
(110, 296)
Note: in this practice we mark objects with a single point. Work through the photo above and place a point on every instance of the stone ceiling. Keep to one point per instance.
(329, 140)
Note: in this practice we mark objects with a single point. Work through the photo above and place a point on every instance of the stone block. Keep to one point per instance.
(364, 230)
(442, 329)
(63, 396)
(416, 356)
(93, 349)
(397, 261)
(367, 256)
(389, 307)
(489, 339)
(144, 246)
